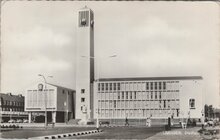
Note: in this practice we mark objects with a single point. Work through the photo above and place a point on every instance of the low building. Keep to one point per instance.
(58, 101)
(155, 97)
(216, 113)
(12, 107)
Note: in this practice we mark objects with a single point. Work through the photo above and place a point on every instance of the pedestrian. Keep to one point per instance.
(202, 121)
(126, 122)
(148, 122)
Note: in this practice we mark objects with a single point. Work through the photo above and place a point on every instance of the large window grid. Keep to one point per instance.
(130, 97)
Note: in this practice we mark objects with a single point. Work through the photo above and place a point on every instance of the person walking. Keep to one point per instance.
(148, 122)
(126, 122)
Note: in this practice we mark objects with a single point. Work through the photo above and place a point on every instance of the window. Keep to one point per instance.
(192, 103)
(177, 112)
(82, 91)
(151, 85)
(160, 104)
(102, 85)
(106, 86)
(147, 86)
(155, 95)
(114, 86)
(159, 85)
(168, 103)
(119, 86)
(126, 95)
(155, 85)
(130, 95)
(122, 95)
(82, 99)
(160, 95)
(110, 88)
(151, 95)
(63, 91)
(164, 85)
(135, 95)
(164, 104)
(98, 86)
(118, 95)
(114, 103)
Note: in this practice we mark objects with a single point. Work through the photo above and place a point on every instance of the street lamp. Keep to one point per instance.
(98, 74)
(45, 95)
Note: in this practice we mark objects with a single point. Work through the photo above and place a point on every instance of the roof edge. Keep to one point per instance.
(153, 78)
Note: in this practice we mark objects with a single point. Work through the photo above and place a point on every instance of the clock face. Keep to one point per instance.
(83, 21)
(40, 87)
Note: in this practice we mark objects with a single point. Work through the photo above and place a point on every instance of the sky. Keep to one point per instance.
(150, 39)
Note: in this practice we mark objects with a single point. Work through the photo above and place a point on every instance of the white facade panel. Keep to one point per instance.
(166, 98)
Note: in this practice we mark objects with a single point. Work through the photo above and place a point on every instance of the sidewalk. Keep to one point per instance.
(180, 134)
(41, 125)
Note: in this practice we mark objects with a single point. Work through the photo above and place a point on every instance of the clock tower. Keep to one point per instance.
(85, 64)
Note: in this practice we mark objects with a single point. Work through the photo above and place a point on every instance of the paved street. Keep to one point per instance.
(34, 132)
(184, 134)
(180, 134)
(122, 133)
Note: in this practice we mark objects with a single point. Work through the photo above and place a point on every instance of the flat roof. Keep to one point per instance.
(153, 78)
(60, 86)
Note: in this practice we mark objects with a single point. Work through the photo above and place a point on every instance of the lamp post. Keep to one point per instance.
(98, 74)
(97, 119)
(45, 97)
(66, 104)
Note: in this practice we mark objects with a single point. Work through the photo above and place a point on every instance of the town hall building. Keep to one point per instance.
(132, 97)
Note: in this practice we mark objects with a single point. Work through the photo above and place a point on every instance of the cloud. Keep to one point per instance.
(149, 38)
(38, 38)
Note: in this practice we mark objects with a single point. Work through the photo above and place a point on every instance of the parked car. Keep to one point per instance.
(19, 121)
(11, 121)
(211, 123)
(25, 121)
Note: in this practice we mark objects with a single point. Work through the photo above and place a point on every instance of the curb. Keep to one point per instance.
(57, 136)
(117, 126)
(8, 129)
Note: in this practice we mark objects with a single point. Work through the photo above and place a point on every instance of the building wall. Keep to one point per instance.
(134, 99)
(58, 99)
(60, 102)
(84, 65)
(35, 99)
(64, 100)
(11, 106)
(191, 90)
